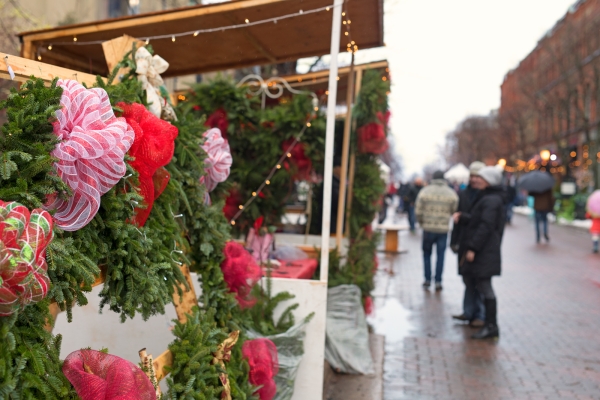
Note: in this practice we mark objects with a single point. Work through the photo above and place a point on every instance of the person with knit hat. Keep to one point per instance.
(435, 205)
(480, 243)
(473, 309)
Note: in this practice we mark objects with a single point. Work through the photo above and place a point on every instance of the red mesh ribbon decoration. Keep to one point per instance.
(368, 305)
(100, 376)
(23, 240)
(372, 139)
(218, 119)
(90, 154)
(302, 166)
(152, 148)
(240, 273)
(218, 160)
(232, 204)
(264, 365)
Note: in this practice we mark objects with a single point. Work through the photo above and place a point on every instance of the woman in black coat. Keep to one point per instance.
(480, 242)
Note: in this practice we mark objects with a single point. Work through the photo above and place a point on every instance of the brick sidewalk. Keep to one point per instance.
(549, 318)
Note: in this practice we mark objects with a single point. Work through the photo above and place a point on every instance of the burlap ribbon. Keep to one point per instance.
(223, 354)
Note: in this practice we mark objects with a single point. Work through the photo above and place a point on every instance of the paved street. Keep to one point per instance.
(549, 318)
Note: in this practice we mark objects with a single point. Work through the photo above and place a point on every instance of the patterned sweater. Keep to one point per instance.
(435, 205)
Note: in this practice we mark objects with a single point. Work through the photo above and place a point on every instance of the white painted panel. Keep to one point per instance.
(91, 329)
(311, 297)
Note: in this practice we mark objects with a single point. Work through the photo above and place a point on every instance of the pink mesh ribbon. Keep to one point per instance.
(100, 376)
(152, 148)
(23, 240)
(264, 366)
(218, 161)
(372, 139)
(90, 154)
(240, 273)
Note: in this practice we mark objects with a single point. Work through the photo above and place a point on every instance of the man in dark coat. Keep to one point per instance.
(409, 202)
(473, 308)
(480, 243)
(543, 204)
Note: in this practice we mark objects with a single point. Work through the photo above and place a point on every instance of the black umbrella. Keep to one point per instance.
(536, 182)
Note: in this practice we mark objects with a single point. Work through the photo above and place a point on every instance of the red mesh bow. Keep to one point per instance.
(301, 163)
(368, 305)
(232, 204)
(152, 148)
(240, 273)
(218, 119)
(264, 366)
(23, 241)
(371, 139)
(383, 118)
(90, 154)
(100, 376)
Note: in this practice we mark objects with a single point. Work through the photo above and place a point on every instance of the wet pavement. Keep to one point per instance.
(548, 313)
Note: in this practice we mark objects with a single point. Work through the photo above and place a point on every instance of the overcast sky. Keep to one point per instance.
(448, 59)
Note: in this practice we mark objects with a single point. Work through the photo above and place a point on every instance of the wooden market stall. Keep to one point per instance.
(229, 35)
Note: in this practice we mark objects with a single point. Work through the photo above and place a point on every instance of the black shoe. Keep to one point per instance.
(489, 331)
(438, 286)
(426, 284)
(460, 317)
(595, 251)
(547, 238)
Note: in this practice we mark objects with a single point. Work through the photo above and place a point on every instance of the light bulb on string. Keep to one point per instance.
(289, 155)
(196, 33)
(232, 222)
(172, 38)
(74, 38)
(241, 207)
(308, 124)
(50, 47)
(268, 182)
(327, 9)
(247, 21)
(346, 33)
(148, 41)
(343, 13)
(278, 166)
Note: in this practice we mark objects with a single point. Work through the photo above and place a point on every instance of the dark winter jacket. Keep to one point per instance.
(466, 197)
(543, 202)
(483, 230)
(412, 193)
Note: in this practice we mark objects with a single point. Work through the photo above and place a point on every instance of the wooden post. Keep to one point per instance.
(352, 171)
(339, 230)
(183, 304)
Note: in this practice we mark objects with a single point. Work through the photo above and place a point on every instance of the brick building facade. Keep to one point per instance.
(551, 100)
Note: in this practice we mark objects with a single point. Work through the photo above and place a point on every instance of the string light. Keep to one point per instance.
(172, 38)
(50, 47)
(197, 32)
(39, 57)
(277, 167)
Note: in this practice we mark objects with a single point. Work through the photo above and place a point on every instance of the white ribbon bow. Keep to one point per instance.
(149, 69)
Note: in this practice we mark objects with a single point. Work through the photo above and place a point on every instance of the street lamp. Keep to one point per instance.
(545, 154)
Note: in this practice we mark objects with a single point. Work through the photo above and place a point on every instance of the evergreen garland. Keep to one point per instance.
(30, 367)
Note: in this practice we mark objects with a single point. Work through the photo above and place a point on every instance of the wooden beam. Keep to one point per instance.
(146, 19)
(24, 69)
(115, 49)
(352, 172)
(162, 361)
(341, 211)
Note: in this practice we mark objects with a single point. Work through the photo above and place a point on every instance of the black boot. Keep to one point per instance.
(490, 330)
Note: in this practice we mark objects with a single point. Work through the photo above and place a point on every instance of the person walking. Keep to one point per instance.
(473, 308)
(480, 243)
(435, 205)
(543, 203)
(409, 202)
